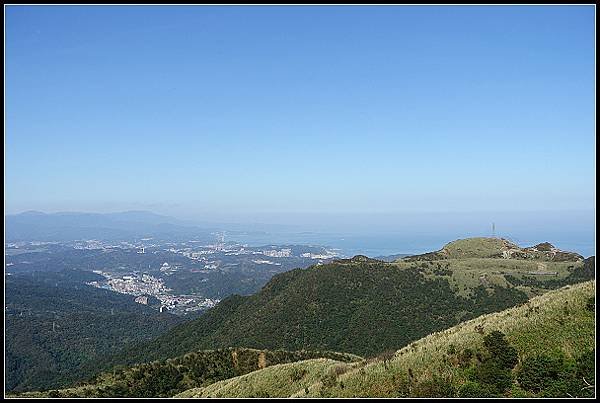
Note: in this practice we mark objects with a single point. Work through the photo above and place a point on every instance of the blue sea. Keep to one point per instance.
(419, 233)
(389, 244)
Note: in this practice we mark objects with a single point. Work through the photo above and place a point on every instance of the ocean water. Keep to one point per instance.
(383, 244)
(381, 235)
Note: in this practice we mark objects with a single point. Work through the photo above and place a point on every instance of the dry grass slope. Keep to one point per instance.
(281, 380)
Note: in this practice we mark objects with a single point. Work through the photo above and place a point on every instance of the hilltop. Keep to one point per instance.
(497, 248)
(544, 348)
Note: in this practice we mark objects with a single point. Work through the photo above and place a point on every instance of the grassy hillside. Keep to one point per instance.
(278, 381)
(362, 306)
(533, 277)
(193, 370)
(542, 348)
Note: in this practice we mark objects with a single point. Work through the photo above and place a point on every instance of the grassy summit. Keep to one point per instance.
(496, 248)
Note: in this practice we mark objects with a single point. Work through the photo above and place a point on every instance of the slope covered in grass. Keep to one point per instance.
(193, 370)
(277, 381)
(541, 348)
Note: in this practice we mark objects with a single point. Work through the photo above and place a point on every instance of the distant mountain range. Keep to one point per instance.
(68, 226)
(38, 226)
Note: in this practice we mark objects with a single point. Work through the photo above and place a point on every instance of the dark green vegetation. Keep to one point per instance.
(362, 308)
(491, 376)
(576, 275)
(56, 327)
(169, 377)
(544, 375)
(555, 375)
(114, 260)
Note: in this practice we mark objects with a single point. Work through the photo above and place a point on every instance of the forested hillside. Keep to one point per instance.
(56, 325)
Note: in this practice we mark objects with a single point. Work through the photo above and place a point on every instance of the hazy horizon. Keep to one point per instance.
(406, 232)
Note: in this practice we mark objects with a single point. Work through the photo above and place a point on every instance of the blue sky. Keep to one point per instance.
(237, 113)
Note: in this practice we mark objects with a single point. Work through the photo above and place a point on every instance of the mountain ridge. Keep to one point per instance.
(360, 305)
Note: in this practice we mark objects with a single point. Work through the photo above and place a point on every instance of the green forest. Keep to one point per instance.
(57, 327)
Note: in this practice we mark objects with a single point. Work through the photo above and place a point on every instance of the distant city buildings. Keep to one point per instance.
(278, 253)
(266, 262)
(144, 279)
(145, 285)
(327, 255)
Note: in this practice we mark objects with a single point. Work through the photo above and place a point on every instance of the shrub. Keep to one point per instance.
(329, 380)
(561, 377)
(297, 374)
(339, 370)
(475, 389)
(500, 349)
(434, 387)
(516, 392)
(54, 393)
(538, 372)
(586, 366)
(493, 373)
(591, 304)
(464, 358)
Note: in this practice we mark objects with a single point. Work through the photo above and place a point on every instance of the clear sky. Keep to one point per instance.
(233, 112)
